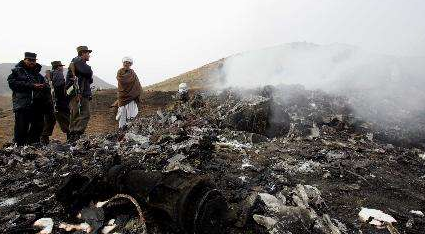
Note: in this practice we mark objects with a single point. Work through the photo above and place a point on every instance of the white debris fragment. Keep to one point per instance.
(224, 143)
(293, 167)
(272, 203)
(243, 178)
(140, 139)
(369, 136)
(108, 228)
(308, 166)
(9, 202)
(65, 175)
(101, 204)
(85, 227)
(315, 131)
(246, 163)
(331, 226)
(422, 156)
(175, 166)
(265, 221)
(281, 197)
(175, 163)
(417, 212)
(177, 158)
(379, 218)
(46, 224)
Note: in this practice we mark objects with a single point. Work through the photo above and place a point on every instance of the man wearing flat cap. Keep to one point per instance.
(79, 73)
(29, 97)
(59, 108)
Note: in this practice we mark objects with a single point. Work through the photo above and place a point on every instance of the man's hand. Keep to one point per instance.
(38, 86)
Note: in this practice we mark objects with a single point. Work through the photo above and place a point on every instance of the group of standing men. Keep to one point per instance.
(41, 101)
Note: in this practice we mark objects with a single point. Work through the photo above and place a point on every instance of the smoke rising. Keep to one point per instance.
(379, 87)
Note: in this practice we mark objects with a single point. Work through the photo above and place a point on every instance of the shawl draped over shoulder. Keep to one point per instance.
(129, 88)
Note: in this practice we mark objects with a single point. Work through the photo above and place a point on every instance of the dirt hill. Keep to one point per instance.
(200, 78)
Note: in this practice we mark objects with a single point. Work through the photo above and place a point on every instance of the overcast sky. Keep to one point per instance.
(167, 38)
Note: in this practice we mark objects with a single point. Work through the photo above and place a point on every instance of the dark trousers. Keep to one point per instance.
(28, 126)
(80, 116)
(50, 119)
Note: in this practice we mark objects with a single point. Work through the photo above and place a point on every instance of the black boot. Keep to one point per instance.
(68, 137)
(44, 140)
(71, 137)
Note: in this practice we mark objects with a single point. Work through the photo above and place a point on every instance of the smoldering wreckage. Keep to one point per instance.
(278, 159)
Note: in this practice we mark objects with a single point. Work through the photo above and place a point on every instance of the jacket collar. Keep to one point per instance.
(21, 64)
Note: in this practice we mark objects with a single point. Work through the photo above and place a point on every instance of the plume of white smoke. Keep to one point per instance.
(378, 86)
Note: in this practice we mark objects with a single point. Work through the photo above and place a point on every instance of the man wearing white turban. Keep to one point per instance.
(129, 91)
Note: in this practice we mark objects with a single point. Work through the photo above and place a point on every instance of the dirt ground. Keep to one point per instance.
(102, 118)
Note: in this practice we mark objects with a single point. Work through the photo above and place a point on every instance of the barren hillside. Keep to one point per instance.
(200, 78)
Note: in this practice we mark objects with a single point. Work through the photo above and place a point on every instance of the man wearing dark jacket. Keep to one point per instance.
(59, 107)
(80, 98)
(30, 95)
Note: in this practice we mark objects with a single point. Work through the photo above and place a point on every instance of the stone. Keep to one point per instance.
(261, 116)
(272, 203)
(265, 221)
(46, 224)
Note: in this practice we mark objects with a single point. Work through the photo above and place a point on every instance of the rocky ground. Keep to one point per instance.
(284, 159)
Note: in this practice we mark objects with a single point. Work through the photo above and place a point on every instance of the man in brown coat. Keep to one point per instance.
(129, 90)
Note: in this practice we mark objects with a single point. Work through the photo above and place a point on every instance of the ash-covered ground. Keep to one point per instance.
(284, 160)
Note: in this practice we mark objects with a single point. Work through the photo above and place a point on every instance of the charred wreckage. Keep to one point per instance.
(280, 159)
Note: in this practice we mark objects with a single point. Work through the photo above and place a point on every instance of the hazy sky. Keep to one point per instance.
(167, 38)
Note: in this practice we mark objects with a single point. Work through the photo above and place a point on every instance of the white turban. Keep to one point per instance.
(127, 59)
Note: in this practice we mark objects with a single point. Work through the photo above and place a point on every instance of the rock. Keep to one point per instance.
(335, 155)
(109, 227)
(377, 217)
(417, 212)
(300, 192)
(313, 194)
(272, 203)
(258, 115)
(83, 227)
(246, 164)
(294, 220)
(315, 131)
(179, 166)
(46, 224)
(142, 140)
(264, 221)
(282, 197)
(329, 226)
(175, 163)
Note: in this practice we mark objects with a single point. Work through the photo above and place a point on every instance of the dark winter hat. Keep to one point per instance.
(83, 49)
(57, 64)
(30, 55)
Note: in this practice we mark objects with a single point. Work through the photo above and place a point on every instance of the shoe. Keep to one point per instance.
(71, 137)
(44, 140)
